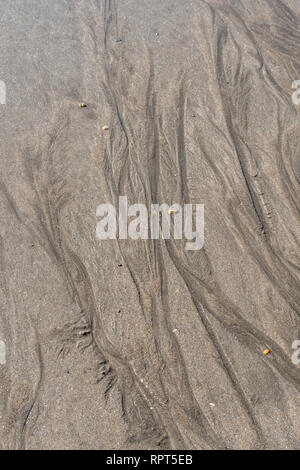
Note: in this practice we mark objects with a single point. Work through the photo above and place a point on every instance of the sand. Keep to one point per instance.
(142, 344)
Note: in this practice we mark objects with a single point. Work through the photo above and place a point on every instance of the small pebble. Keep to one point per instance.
(172, 211)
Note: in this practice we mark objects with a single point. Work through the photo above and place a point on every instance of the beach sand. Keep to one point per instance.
(142, 344)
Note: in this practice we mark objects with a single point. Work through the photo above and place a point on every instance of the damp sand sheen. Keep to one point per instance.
(176, 331)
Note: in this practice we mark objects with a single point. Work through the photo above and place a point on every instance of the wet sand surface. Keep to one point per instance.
(131, 344)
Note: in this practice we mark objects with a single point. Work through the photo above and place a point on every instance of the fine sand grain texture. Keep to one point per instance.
(142, 344)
